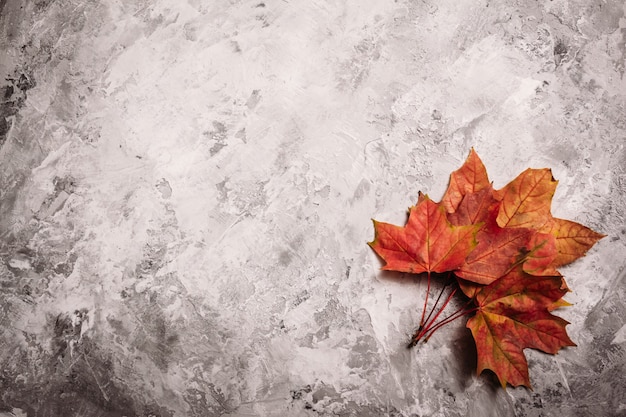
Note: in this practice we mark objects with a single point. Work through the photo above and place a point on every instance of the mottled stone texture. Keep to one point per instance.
(186, 190)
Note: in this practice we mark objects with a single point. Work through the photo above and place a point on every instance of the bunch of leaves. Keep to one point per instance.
(501, 249)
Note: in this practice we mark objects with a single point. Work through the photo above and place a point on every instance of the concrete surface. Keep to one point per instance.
(186, 193)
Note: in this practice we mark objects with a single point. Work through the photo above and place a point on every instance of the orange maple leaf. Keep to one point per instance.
(526, 200)
(573, 240)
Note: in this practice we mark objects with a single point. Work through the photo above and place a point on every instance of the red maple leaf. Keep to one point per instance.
(470, 178)
(498, 248)
(513, 313)
(428, 242)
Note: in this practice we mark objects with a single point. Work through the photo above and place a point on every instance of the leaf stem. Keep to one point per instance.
(429, 325)
(463, 311)
(425, 302)
(443, 289)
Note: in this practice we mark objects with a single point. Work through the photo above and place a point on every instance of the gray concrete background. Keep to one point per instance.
(187, 187)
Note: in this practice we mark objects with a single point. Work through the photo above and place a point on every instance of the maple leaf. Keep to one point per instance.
(573, 240)
(513, 313)
(470, 178)
(526, 200)
(469, 288)
(498, 248)
(541, 255)
(428, 242)
(475, 208)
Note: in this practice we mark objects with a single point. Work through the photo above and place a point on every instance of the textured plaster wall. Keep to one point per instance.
(186, 190)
